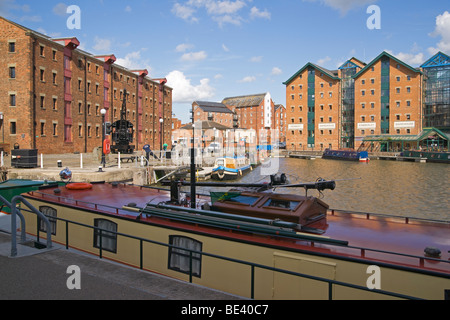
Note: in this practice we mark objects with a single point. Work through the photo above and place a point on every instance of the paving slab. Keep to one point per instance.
(44, 276)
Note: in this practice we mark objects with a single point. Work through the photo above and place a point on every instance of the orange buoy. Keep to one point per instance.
(79, 186)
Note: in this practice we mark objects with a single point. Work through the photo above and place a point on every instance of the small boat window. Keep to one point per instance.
(284, 204)
(244, 199)
(180, 260)
(51, 214)
(235, 197)
(107, 238)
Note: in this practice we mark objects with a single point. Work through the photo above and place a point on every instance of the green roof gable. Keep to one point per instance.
(385, 54)
(309, 64)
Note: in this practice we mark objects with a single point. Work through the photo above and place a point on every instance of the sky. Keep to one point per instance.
(212, 49)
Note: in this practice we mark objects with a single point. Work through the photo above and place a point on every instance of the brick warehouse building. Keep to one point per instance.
(312, 100)
(385, 100)
(56, 108)
(252, 112)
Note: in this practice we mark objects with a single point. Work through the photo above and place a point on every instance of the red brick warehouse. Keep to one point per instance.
(52, 94)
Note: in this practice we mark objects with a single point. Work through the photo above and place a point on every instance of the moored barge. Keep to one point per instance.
(266, 258)
(348, 155)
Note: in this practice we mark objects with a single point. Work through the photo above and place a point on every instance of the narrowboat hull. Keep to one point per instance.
(351, 244)
(439, 157)
(224, 173)
(346, 155)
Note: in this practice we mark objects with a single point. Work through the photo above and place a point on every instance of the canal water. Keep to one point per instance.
(400, 188)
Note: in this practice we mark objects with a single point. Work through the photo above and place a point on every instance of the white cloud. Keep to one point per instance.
(10, 5)
(102, 45)
(184, 12)
(60, 9)
(256, 59)
(31, 18)
(134, 61)
(194, 56)
(323, 61)
(221, 11)
(256, 13)
(276, 71)
(231, 19)
(247, 79)
(222, 7)
(183, 47)
(225, 48)
(409, 58)
(185, 92)
(344, 5)
(442, 30)
(128, 9)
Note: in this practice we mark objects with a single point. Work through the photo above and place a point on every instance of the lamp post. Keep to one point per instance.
(103, 112)
(193, 177)
(3, 127)
(161, 122)
(161, 134)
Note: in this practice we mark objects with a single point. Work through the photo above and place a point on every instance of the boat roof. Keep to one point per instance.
(385, 239)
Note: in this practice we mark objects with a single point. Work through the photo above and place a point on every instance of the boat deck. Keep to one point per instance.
(383, 239)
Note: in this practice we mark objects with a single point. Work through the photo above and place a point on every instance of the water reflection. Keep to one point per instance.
(391, 187)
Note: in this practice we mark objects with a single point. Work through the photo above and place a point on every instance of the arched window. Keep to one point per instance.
(50, 213)
(179, 259)
(107, 236)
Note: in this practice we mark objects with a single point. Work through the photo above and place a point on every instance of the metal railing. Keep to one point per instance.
(15, 211)
(363, 251)
(253, 266)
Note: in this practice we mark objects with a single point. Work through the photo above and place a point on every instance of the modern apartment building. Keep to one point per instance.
(53, 94)
(382, 105)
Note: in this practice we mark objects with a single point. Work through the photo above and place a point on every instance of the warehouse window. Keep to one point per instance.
(13, 127)
(12, 47)
(12, 72)
(179, 259)
(12, 100)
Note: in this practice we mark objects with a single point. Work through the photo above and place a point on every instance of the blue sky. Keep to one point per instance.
(212, 49)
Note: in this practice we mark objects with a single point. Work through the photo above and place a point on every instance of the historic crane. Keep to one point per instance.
(122, 131)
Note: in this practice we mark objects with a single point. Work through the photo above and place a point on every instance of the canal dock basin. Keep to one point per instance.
(136, 169)
(88, 168)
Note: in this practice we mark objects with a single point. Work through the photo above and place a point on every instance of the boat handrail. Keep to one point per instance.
(407, 220)
(363, 250)
(252, 265)
(14, 211)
